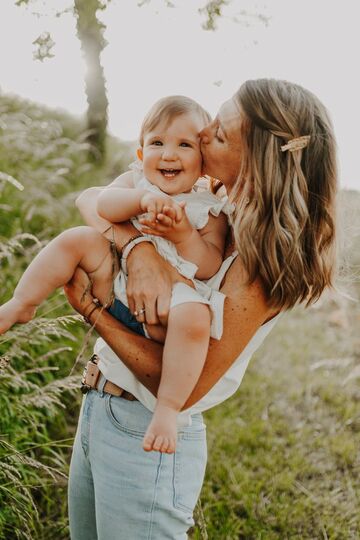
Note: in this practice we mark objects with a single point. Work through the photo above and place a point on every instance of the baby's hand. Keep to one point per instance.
(154, 204)
(172, 223)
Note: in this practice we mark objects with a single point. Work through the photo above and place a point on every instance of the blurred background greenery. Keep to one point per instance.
(283, 452)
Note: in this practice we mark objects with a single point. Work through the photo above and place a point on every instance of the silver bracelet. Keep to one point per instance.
(129, 247)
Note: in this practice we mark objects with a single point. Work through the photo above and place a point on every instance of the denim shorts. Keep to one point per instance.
(124, 315)
(117, 491)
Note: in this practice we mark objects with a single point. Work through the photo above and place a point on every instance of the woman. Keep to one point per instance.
(273, 148)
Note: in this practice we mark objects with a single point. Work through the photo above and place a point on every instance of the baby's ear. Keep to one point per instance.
(139, 153)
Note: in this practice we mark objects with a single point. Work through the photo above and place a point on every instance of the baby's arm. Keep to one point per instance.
(205, 247)
(123, 202)
(88, 200)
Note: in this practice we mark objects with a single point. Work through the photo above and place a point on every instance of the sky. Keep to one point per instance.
(154, 50)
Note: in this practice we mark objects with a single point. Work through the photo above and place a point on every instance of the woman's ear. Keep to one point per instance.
(139, 153)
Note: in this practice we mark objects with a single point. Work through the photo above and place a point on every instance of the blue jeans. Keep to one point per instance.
(123, 314)
(117, 491)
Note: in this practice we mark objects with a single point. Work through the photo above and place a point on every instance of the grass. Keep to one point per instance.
(283, 452)
(284, 459)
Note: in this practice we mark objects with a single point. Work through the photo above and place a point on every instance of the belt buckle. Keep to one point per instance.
(90, 368)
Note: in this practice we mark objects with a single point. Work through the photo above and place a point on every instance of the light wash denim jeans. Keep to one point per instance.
(117, 491)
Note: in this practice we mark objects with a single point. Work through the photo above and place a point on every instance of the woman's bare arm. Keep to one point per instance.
(245, 311)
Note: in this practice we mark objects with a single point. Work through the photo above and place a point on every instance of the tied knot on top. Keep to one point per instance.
(296, 144)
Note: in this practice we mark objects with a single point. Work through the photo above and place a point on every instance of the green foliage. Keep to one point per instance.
(284, 458)
(43, 166)
(212, 10)
(283, 452)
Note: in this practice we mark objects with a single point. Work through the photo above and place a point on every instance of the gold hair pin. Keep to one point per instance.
(296, 144)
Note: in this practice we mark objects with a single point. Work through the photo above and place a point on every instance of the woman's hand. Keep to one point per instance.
(150, 283)
(78, 292)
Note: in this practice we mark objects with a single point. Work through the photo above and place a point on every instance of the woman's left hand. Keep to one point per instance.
(78, 292)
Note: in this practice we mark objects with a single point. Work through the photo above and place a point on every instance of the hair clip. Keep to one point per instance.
(296, 144)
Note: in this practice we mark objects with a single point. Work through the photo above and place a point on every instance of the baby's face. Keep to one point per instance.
(171, 154)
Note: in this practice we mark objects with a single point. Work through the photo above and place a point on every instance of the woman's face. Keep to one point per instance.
(220, 145)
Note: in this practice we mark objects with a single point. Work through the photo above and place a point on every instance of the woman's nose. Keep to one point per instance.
(205, 135)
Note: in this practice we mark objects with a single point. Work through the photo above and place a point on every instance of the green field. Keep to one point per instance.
(284, 460)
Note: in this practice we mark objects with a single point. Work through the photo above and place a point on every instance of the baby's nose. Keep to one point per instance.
(169, 154)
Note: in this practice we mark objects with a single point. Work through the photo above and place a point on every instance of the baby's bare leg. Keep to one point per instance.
(53, 267)
(185, 350)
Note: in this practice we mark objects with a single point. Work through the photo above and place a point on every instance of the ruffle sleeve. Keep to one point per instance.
(200, 205)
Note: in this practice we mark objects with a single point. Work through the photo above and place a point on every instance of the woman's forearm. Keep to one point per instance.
(141, 355)
(245, 310)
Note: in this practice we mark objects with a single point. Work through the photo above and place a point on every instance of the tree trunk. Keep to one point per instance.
(90, 32)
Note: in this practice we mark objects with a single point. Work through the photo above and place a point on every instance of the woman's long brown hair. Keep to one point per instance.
(284, 226)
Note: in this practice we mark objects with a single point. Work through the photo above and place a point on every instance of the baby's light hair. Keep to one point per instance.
(284, 225)
(168, 108)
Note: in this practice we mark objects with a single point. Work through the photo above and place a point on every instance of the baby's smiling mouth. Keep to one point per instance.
(170, 173)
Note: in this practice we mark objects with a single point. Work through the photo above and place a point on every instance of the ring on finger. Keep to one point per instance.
(139, 312)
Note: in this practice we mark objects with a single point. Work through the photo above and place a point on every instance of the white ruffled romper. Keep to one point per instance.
(199, 204)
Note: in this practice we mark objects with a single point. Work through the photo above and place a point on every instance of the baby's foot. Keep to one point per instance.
(161, 433)
(15, 311)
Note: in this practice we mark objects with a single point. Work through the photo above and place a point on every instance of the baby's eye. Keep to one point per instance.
(185, 145)
(157, 143)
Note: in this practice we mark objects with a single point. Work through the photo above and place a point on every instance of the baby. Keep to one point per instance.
(187, 226)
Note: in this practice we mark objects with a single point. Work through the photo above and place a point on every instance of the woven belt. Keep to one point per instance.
(91, 378)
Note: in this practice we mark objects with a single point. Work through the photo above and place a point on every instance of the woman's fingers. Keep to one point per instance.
(163, 308)
(142, 307)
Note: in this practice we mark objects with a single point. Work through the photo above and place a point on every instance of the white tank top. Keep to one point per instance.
(114, 370)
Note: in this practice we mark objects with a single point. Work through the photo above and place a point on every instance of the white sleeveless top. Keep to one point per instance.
(114, 370)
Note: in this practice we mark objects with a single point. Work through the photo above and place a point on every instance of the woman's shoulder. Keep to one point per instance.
(245, 296)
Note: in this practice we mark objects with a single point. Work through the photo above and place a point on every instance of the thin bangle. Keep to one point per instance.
(129, 242)
(129, 246)
(97, 305)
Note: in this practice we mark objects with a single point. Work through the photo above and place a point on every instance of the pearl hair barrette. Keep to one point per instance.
(296, 144)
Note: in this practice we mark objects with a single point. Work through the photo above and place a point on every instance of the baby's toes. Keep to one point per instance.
(148, 441)
(165, 445)
(172, 446)
(158, 443)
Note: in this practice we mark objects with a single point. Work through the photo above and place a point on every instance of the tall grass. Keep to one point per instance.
(284, 458)
(43, 166)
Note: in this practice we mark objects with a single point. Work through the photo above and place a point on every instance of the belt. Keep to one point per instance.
(91, 378)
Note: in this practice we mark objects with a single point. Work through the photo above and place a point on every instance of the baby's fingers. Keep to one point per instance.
(169, 211)
(165, 220)
(153, 232)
